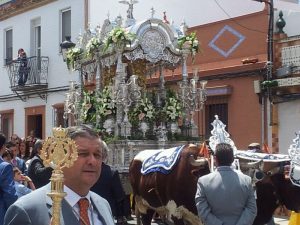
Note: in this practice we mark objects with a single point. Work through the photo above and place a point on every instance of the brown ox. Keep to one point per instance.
(273, 190)
(171, 195)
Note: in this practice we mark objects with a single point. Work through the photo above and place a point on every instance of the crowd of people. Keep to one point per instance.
(24, 179)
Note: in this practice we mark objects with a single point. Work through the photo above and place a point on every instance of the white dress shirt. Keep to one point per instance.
(72, 198)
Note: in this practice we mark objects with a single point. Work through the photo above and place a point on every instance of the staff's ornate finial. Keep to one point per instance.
(58, 152)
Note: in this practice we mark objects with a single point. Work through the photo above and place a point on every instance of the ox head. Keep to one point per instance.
(273, 190)
(253, 169)
(259, 170)
(288, 193)
(198, 160)
(268, 194)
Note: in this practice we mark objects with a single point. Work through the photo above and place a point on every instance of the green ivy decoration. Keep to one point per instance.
(144, 110)
(173, 107)
(73, 55)
(189, 42)
(92, 46)
(105, 106)
(269, 84)
(97, 104)
(118, 36)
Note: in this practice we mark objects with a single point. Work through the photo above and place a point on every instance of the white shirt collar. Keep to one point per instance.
(72, 198)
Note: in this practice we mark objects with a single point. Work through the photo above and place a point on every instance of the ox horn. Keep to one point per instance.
(197, 162)
(249, 165)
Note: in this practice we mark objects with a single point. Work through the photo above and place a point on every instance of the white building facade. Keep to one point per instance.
(39, 31)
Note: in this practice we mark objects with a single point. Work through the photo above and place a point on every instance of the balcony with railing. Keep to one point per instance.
(287, 68)
(28, 75)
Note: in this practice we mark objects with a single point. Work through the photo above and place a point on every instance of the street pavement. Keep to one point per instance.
(278, 221)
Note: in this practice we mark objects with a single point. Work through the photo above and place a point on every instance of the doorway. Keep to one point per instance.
(35, 121)
(35, 124)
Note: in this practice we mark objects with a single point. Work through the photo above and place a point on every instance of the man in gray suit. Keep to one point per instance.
(36, 207)
(225, 196)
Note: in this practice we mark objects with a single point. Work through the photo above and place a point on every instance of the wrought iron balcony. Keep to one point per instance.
(28, 75)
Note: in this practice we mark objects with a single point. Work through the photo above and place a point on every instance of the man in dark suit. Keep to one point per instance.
(38, 173)
(80, 205)
(7, 185)
(109, 186)
(225, 196)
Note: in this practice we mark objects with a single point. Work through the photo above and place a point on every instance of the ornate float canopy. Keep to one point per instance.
(119, 56)
(153, 42)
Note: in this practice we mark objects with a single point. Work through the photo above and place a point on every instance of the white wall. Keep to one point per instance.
(49, 14)
(289, 123)
(58, 75)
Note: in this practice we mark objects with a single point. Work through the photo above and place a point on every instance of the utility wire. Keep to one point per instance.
(239, 24)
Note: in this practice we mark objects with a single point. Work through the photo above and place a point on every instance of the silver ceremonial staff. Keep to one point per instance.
(58, 152)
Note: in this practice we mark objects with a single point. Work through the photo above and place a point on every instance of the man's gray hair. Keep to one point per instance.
(81, 131)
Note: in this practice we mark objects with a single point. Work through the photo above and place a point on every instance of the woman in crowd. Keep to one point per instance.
(31, 139)
(24, 150)
(14, 138)
(21, 182)
(16, 161)
(7, 156)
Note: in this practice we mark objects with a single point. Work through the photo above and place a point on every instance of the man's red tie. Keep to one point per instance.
(83, 211)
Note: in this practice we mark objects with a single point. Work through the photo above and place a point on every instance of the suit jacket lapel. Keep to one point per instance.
(66, 213)
(99, 208)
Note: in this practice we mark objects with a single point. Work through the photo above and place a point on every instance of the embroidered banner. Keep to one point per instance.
(162, 161)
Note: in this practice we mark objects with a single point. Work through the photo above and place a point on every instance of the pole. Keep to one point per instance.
(270, 56)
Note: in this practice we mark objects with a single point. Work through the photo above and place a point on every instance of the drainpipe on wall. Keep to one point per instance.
(262, 120)
(269, 66)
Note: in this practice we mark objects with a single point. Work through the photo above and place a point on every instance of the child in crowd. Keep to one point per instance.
(21, 182)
